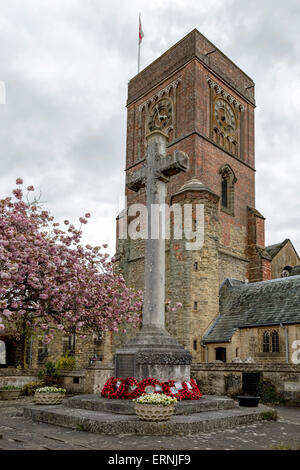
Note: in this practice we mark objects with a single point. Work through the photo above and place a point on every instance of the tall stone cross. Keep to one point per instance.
(153, 352)
(155, 174)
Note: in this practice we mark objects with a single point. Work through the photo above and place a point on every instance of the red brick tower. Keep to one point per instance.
(205, 104)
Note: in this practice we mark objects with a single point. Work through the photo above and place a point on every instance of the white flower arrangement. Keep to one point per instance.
(155, 399)
(51, 390)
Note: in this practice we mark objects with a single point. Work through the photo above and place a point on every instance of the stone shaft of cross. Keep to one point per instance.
(155, 175)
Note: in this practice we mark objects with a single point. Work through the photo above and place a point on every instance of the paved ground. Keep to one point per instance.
(21, 434)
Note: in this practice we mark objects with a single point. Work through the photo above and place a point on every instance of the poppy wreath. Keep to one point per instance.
(191, 390)
(108, 387)
(150, 381)
(130, 383)
(169, 390)
(116, 391)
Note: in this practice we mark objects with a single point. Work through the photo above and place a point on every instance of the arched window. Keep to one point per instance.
(228, 181)
(170, 134)
(216, 135)
(275, 341)
(234, 147)
(221, 139)
(266, 341)
(224, 192)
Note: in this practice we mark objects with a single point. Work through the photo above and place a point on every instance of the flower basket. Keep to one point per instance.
(154, 407)
(49, 396)
(154, 412)
(9, 394)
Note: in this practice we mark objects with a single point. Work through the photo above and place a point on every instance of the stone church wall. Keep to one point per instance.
(248, 342)
(226, 379)
(286, 257)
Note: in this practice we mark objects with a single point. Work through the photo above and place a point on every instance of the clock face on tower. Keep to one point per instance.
(160, 116)
(224, 117)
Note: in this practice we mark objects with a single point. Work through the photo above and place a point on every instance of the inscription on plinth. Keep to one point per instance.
(125, 365)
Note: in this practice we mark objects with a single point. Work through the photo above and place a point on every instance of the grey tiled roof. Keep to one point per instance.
(255, 304)
(274, 249)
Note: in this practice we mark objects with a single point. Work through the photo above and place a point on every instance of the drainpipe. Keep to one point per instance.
(286, 342)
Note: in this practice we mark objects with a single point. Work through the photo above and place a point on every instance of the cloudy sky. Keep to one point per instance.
(66, 65)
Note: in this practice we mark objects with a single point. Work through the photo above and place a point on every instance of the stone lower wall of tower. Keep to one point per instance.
(232, 265)
(226, 379)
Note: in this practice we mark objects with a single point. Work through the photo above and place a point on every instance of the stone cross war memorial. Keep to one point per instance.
(153, 352)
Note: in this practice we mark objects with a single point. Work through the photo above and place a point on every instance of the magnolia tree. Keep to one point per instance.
(49, 281)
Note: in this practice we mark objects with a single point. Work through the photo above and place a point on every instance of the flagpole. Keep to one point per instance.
(139, 45)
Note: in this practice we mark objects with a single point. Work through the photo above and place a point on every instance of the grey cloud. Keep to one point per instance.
(66, 66)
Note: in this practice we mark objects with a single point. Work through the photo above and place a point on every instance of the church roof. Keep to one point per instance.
(273, 250)
(195, 185)
(255, 304)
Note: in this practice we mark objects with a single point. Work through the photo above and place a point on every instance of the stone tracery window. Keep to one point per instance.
(275, 341)
(270, 342)
(266, 341)
(228, 181)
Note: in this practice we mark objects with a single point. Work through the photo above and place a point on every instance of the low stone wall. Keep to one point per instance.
(75, 381)
(17, 377)
(226, 378)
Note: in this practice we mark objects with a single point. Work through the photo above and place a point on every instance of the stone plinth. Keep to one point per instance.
(153, 353)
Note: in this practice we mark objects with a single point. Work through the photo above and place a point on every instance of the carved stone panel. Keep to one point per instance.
(124, 365)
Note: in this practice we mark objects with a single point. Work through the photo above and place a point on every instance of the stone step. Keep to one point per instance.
(113, 424)
(97, 403)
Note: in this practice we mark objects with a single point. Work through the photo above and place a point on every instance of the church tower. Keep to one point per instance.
(205, 104)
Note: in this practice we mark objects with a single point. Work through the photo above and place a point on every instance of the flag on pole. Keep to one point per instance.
(141, 33)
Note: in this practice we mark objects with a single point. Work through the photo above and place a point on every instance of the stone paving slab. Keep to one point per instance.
(97, 403)
(112, 424)
(264, 435)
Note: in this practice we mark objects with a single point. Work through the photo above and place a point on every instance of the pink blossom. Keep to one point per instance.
(82, 220)
(88, 215)
(44, 296)
(18, 193)
(4, 275)
(30, 188)
(6, 313)
(50, 281)
(19, 181)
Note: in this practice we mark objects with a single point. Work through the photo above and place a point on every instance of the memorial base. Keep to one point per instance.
(153, 353)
